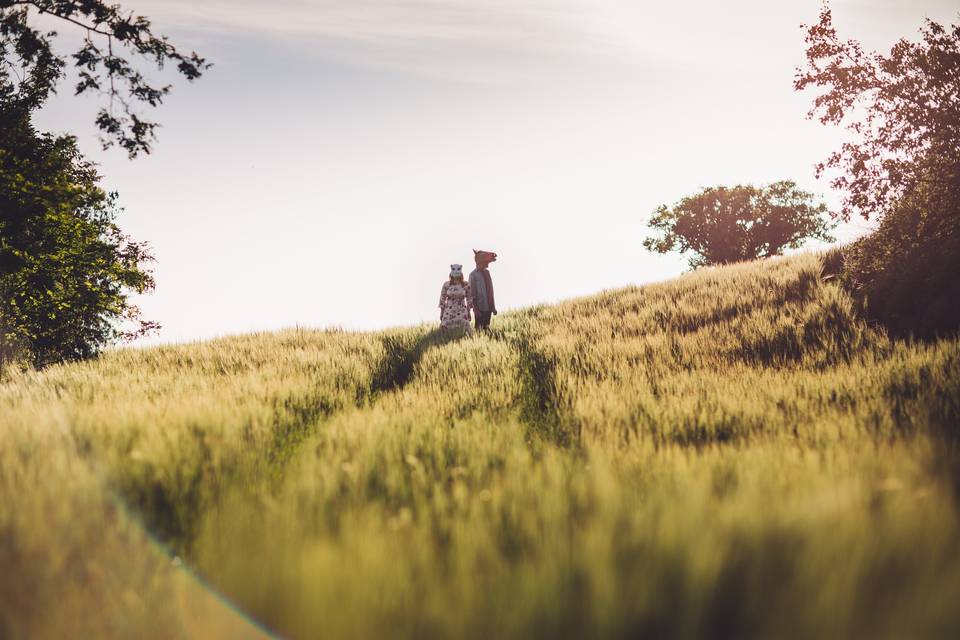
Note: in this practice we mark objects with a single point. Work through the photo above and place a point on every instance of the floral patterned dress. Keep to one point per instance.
(455, 304)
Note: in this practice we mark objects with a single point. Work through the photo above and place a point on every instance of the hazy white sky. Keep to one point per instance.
(342, 153)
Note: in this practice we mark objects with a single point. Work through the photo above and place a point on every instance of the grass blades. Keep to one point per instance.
(731, 453)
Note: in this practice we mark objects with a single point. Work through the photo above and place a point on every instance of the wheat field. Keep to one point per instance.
(731, 453)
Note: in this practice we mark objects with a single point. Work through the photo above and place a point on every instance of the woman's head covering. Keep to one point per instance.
(456, 271)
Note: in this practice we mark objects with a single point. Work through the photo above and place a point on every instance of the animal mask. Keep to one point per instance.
(483, 258)
(456, 271)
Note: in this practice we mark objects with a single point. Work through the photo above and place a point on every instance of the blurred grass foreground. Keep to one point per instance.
(732, 453)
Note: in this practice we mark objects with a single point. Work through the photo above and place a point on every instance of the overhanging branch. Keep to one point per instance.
(43, 10)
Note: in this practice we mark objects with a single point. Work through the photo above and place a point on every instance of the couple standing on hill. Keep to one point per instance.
(457, 297)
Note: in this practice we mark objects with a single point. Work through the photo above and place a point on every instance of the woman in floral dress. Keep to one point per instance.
(455, 301)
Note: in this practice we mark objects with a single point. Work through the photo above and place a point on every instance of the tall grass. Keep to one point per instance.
(730, 453)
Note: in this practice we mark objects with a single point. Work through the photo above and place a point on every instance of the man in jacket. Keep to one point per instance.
(481, 287)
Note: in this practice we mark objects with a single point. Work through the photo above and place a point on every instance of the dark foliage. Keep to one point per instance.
(719, 225)
(30, 69)
(907, 273)
(903, 110)
(66, 269)
(903, 166)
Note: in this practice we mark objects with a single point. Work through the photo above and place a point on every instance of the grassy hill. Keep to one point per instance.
(733, 452)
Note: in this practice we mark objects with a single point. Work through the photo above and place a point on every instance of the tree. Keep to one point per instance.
(903, 110)
(66, 269)
(905, 272)
(31, 69)
(902, 167)
(719, 225)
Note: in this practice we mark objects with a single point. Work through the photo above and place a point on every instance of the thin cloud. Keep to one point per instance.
(462, 39)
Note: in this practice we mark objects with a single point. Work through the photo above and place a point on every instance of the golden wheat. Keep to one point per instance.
(730, 453)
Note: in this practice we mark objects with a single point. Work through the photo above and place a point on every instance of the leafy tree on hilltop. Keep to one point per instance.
(903, 109)
(719, 225)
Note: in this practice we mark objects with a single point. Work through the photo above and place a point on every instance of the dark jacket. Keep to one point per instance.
(482, 289)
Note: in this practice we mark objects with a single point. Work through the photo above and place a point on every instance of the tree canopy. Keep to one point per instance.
(903, 110)
(66, 269)
(105, 63)
(901, 167)
(720, 224)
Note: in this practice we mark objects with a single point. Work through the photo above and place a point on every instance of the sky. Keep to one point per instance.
(341, 154)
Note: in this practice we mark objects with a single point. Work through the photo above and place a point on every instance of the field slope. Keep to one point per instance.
(732, 453)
